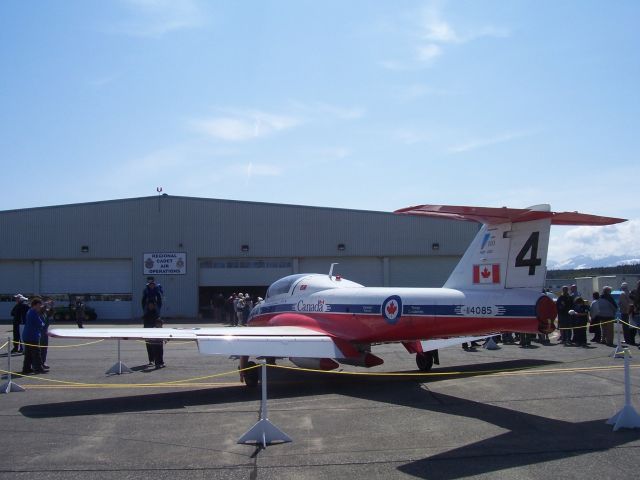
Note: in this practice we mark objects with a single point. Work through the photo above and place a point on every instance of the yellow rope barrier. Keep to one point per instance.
(587, 326)
(128, 385)
(192, 382)
(3, 345)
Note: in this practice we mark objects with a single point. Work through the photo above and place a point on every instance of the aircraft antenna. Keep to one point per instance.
(331, 269)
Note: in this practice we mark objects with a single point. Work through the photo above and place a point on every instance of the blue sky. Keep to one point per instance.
(358, 104)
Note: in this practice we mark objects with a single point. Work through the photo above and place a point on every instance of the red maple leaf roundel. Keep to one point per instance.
(486, 273)
(392, 308)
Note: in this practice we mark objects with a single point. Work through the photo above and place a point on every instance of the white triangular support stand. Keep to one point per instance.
(627, 417)
(119, 368)
(619, 351)
(264, 433)
(490, 344)
(9, 386)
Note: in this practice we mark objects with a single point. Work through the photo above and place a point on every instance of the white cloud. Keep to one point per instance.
(238, 126)
(428, 52)
(250, 170)
(620, 240)
(321, 109)
(410, 136)
(408, 93)
(155, 18)
(488, 141)
(432, 35)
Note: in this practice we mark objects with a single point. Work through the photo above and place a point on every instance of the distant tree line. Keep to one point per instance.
(596, 271)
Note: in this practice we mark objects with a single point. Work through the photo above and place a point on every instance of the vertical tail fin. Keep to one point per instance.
(510, 250)
(505, 255)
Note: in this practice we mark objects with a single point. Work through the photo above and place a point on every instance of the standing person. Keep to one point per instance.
(573, 292)
(594, 316)
(229, 309)
(157, 347)
(152, 294)
(580, 319)
(248, 305)
(149, 320)
(47, 316)
(31, 337)
(634, 313)
(218, 308)
(626, 308)
(564, 304)
(79, 312)
(607, 312)
(239, 307)
(19, 314)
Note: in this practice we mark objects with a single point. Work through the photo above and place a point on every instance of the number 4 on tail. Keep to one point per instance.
(532, 261)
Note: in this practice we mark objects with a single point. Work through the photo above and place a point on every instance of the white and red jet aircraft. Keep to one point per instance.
(319, 321)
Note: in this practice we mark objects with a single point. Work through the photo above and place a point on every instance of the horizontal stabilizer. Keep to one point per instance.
(496, 216)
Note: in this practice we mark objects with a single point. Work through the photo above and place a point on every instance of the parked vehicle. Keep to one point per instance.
(69, 313)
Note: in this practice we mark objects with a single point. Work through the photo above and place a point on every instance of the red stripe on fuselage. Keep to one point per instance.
(374, 328)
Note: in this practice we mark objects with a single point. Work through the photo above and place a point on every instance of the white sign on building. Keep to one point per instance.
(166, 263)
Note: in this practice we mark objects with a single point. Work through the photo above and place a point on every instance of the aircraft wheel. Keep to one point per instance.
(424, 361)
(252, 377)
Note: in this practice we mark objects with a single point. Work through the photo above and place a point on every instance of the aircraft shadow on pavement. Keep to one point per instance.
(530, 439)
(282, 383)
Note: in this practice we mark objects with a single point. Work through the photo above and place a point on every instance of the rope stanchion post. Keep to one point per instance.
(10, 386)
(619, 351)
(119, 367)
(491, 344)
(627, 417)
(264, 433)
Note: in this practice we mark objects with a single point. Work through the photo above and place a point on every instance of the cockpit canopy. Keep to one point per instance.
(307, 283)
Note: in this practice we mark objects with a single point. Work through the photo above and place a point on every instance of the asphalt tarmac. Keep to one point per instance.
(544, 418)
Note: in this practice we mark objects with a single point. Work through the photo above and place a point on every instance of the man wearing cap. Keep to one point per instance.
(624, 304)
(19, 314)
(31, 337)
(152, 294)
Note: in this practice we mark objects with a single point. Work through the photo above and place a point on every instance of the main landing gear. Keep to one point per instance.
(425, 360)
(251, 378)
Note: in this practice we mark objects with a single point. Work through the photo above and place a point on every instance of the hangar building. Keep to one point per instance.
(199, 247)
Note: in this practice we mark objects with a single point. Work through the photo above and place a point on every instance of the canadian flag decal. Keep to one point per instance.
(486, 273)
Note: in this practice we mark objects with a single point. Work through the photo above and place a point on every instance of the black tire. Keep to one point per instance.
(252, 377)
(424, 361)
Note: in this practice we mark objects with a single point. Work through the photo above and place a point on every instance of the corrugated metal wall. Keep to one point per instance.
(210, 228)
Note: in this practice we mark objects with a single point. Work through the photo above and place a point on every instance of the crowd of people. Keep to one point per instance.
(233, 310)
(578, 317)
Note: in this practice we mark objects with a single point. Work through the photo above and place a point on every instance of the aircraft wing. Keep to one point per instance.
(277, 341)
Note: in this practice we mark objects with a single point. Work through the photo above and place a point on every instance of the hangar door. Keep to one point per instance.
(15, 277)
(365, 270)
(105, 285)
